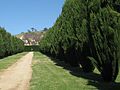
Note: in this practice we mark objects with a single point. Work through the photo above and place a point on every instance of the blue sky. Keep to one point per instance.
(18, 16)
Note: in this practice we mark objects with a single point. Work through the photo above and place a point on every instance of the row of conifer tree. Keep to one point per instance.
(87, 34)
(9, 44)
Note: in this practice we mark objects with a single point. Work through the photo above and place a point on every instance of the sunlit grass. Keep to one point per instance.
(49, 74)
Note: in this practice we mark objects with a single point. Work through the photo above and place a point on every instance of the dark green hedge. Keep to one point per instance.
(31, 48)
(87, 33)
(9, 44)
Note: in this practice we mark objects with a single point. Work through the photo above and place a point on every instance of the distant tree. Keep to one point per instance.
(45, 29)
(29, 31)
(33, 30)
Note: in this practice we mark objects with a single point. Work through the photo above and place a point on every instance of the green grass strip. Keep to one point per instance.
(47, 75)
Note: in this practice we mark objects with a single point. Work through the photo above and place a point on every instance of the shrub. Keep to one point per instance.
(9, 44)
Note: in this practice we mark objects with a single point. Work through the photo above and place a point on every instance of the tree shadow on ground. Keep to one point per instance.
(94, 79)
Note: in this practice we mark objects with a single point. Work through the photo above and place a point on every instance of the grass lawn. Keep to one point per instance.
(51, 74)
(8, 61)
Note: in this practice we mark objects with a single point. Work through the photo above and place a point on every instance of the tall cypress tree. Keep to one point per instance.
(103, 37)
(87, 32)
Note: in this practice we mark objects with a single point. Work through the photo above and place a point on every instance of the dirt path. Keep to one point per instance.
(17, 76)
